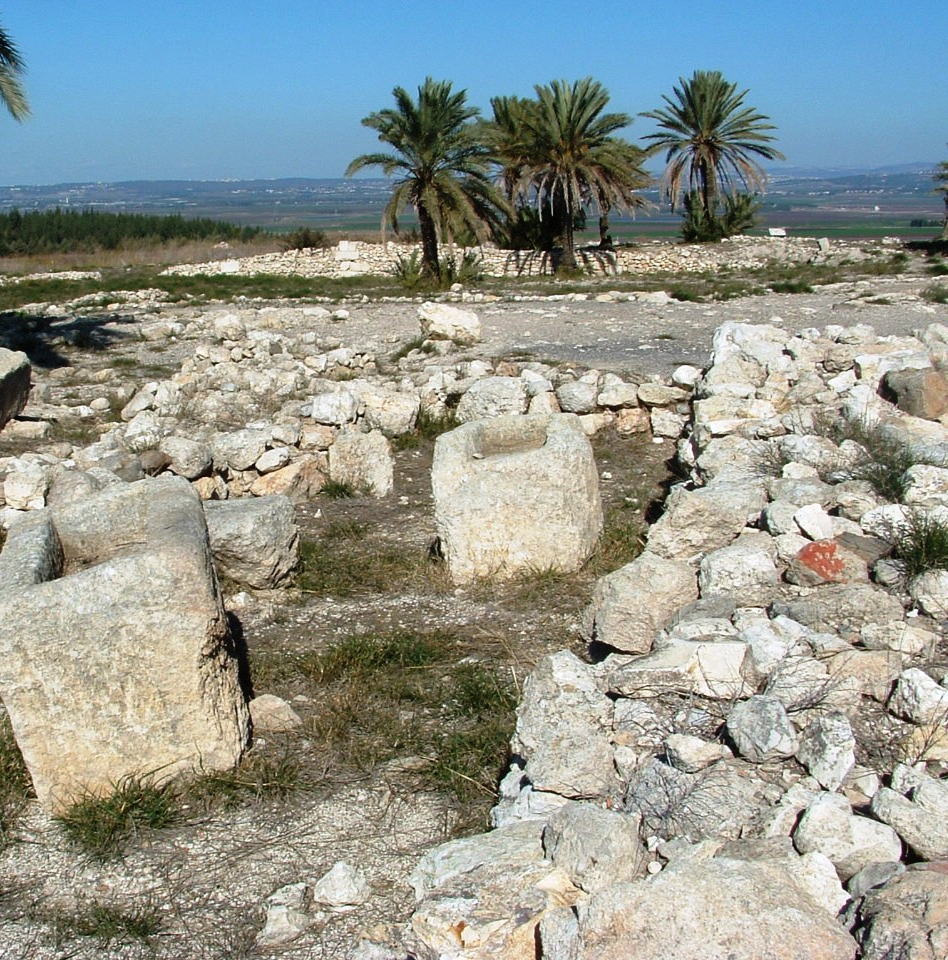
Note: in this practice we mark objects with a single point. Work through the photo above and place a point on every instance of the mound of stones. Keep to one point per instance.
(264, 407)
(752, 762)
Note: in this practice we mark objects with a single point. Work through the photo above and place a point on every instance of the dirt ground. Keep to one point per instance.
(369, 569)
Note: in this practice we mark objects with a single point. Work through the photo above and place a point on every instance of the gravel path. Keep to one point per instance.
(649, 340)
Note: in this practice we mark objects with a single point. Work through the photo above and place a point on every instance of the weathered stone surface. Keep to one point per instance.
(439, 321)
(493, 397)
(515, 495)
(743, 569)
(848, 607)
(363, 460)
(918, 698)
(826, 561)
(517, 843)
(827, 749)
(391, 413)
(696, 521)
(829, 826)
(341, 888)
(489, 913)
(632, 604)
(593, 846)
(123, 667)
(254, 541)
(919, 393)
(189, 458)
(719, 909)
(299, 480)
(14, 383)
(921, 819)
(272, 714)
(721, 671)
(906, 919)
(334, 407)
(577, 396)
(761, 730)
(563, 725)
(239, 450)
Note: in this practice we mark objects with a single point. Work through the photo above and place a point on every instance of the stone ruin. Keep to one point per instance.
(115, 658)
(516, 494)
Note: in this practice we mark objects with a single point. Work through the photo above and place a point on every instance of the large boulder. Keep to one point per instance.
(632, 604)
(14, 383)
(115, 657)
(363, 461)
(515, 495)
(720, 909)
(442, 322)
(254, 540)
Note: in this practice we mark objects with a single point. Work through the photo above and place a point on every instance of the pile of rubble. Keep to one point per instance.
(752, 763)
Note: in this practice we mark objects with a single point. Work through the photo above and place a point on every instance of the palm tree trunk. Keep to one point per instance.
(430, 266)
(605, 241)
(563, 218)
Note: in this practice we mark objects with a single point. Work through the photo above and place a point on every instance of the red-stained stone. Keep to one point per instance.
(826, 561)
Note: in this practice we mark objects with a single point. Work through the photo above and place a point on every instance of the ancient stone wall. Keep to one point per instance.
(351, 258)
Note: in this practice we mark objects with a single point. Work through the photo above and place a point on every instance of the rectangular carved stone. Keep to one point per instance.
(115, 655)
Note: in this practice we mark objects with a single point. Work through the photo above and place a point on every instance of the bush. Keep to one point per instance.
(305, 239)
(922, 544)
(734, 216)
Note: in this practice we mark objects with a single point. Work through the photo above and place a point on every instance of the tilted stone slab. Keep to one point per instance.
(14, 383)
(516, 494)
(115, 657)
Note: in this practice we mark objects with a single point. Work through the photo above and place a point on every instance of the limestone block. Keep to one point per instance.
(593, 846)
(632, 604)
(116, 661)
(827, 749)
(761, 730)
(696, 521)
(562, 731)
(711, 910)
(363, 460)
(493, 397)
(515, 494)
(742, 569)
(300, 480)
(189, 458)
(442, 322)
(14, 383)
(335, 407)
(722, 671)
(239, 450)
(391, 413)
(577, 397)
(254, 540)
(829, 826)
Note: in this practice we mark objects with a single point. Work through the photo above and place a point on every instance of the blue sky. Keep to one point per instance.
(167, 89)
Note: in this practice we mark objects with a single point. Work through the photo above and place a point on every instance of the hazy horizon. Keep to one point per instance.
(216, 91)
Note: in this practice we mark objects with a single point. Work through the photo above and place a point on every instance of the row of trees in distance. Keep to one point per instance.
(530, 173)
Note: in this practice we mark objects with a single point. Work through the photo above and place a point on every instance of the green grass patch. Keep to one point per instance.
(109, 924)
(103, 826)
(922, 544)
(260, 776)
(935, 293)
(347, 562)
(16, 788)
(338, 490)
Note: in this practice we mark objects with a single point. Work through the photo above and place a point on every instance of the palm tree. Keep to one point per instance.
(11, 67)
(940, 177)
(443, 168)
(567, 157)
(710, 139)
